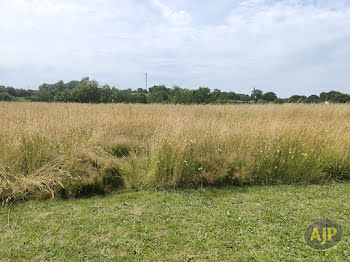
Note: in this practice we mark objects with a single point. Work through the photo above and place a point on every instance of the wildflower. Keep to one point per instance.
(200, 168)
(304, 154)
(220, 150)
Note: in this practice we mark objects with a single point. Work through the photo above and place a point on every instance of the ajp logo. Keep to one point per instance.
(323, 234)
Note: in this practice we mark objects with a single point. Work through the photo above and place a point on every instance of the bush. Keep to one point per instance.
(278, 101)
(4, 96)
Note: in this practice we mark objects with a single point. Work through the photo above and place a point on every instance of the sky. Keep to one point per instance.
(285, 46)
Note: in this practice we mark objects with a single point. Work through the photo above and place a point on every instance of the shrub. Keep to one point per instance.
(278, 101)
(4, 96)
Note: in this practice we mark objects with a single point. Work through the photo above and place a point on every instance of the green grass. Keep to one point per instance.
(256, 223)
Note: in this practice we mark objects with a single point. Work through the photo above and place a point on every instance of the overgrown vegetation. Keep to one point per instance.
(89, 91)
(82, 149)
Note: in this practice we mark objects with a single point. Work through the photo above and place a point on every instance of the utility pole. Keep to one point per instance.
(146, 83)
(254, 94)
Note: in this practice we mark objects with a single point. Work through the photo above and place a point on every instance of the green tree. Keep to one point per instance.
(297, 99)
(256, 94)
(43, 94)
(159, 94)
(278, 101)
(215, 95)
(141, 90)
(312, 99)
(64, 96)
(201, 95)
(341, 98)
(234, 96)
(269, 96)
(87, 91)
(244, 97)
(328, 96)
(140, 98)
(105, 94)
(4, 96)
(179, 95)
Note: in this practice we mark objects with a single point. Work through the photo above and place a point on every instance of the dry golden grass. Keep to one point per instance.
(86, 148)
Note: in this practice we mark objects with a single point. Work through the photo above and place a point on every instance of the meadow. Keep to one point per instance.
(73, 150)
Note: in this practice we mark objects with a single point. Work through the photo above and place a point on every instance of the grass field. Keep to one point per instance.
(49, 149)
(250, 223)
(176, 182)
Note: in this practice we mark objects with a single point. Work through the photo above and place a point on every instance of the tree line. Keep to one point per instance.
(89, 91)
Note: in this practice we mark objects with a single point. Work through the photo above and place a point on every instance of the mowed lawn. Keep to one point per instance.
(256, 223)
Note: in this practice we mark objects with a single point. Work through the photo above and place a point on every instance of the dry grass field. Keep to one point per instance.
(49, 149)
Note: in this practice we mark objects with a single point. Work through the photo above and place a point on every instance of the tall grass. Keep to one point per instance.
(81, 149)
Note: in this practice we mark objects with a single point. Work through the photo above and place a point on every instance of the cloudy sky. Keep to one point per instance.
(285, 46)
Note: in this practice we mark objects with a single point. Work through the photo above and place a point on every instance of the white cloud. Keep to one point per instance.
(284, 46)
(176, 17)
